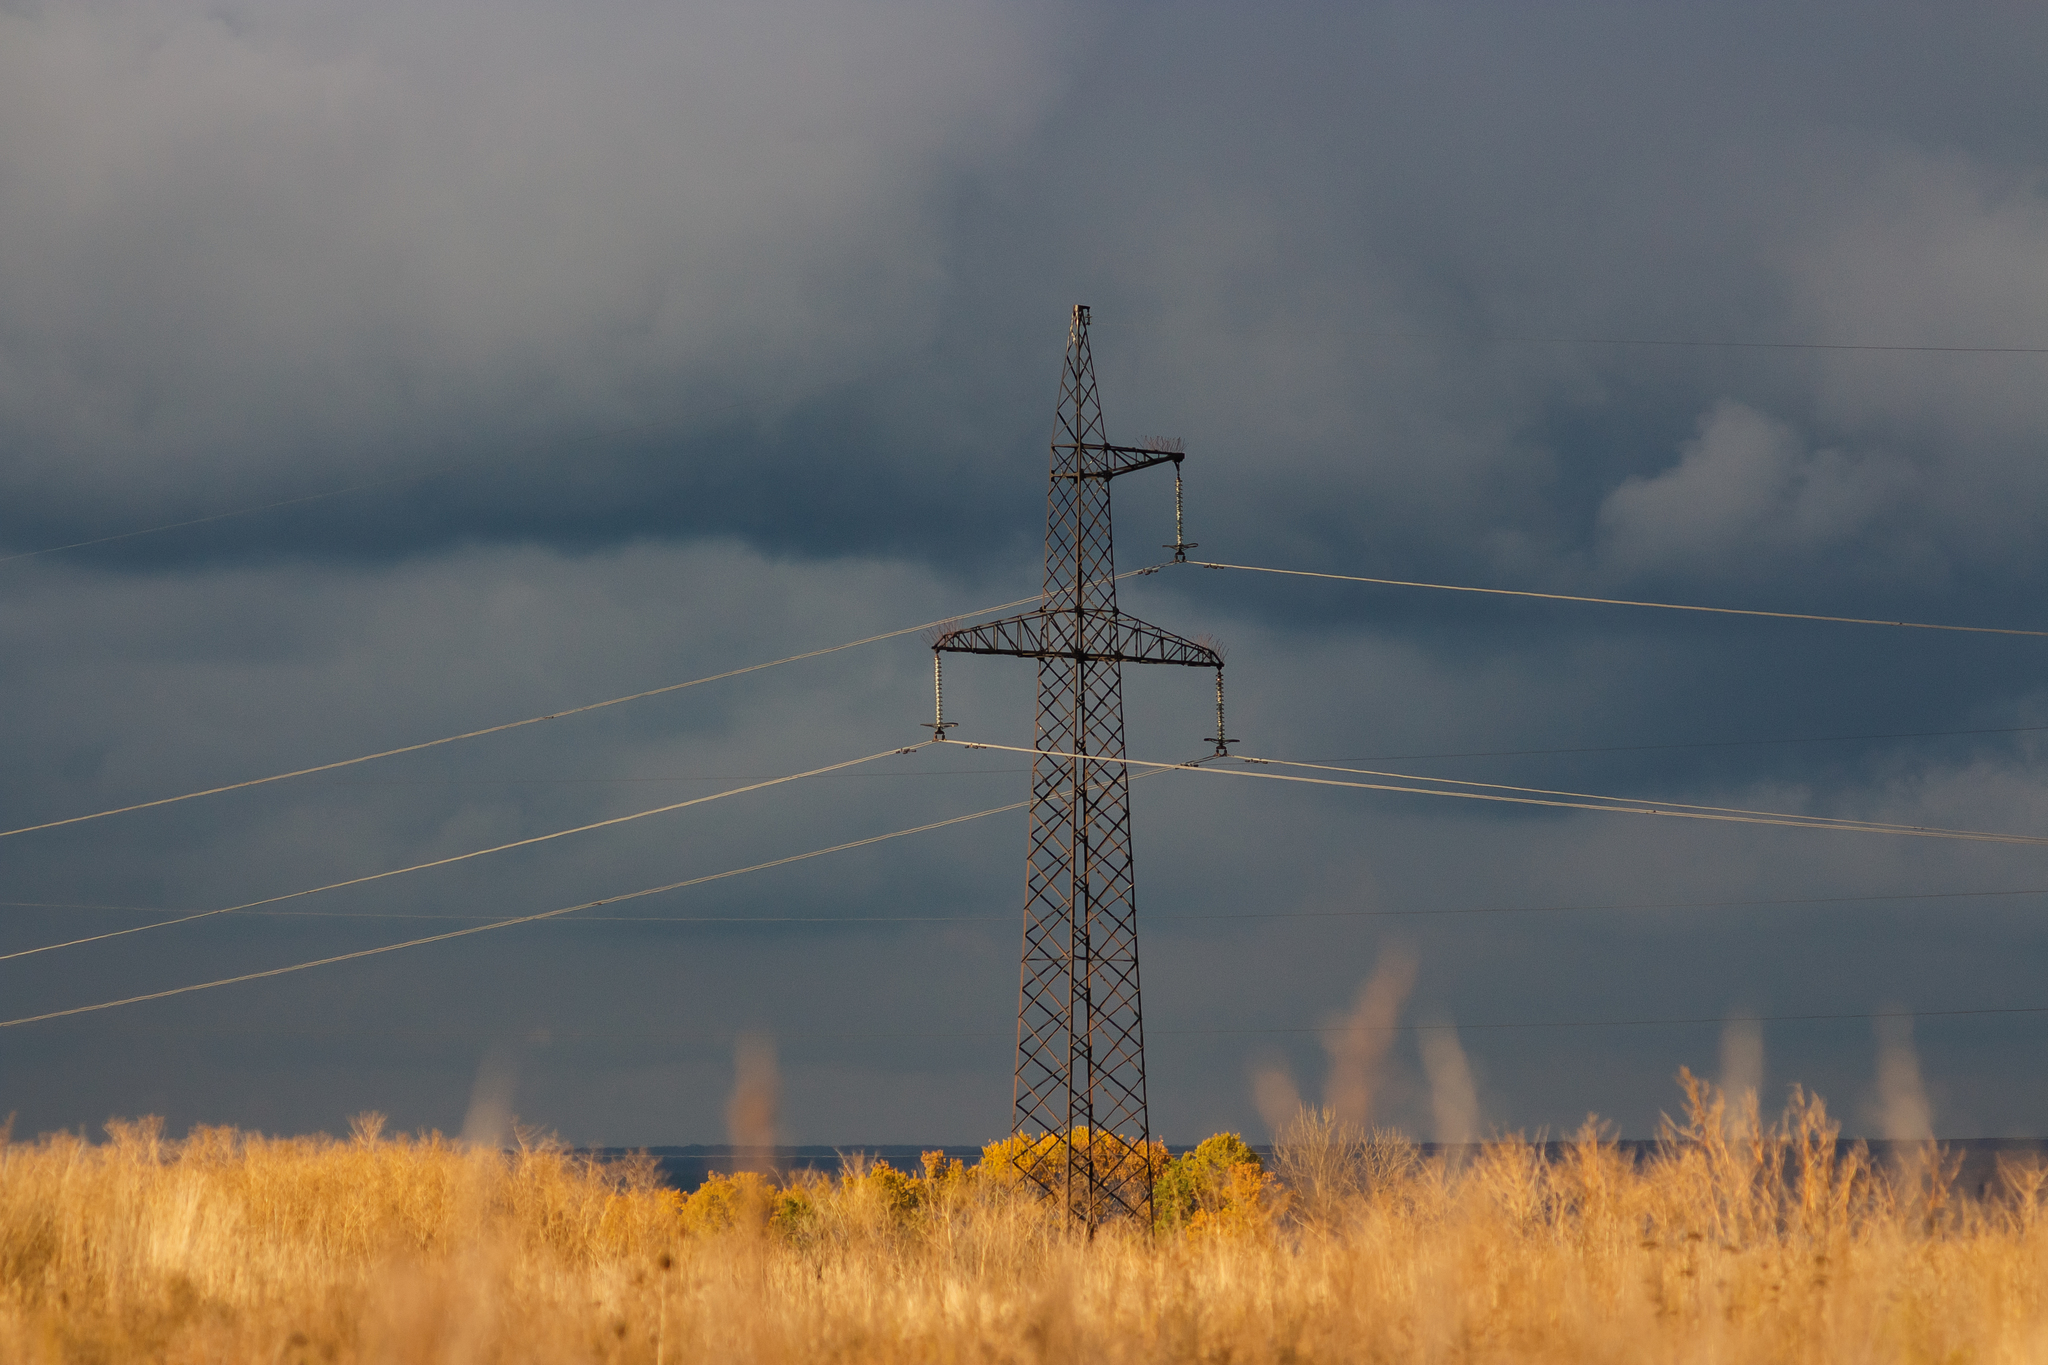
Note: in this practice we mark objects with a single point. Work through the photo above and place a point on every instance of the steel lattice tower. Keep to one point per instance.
(1080, 1025)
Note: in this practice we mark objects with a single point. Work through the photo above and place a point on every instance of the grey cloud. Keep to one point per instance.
(277, 250)
(1747, 497)
(246, 242)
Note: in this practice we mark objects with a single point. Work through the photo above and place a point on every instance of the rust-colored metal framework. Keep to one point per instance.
(1080, 1026)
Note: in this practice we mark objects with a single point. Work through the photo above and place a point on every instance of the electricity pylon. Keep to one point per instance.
(1080, 1027)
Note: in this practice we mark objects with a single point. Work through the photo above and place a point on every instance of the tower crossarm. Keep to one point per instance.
(1051, 635)
(1094, 460)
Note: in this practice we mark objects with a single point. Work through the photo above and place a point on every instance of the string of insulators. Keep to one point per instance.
(939, 722)
(1181, 544)
(1221, 737)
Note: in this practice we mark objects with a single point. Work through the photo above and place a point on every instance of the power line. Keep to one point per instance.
(1716, 1019)
(1298, 1030)
(1618, 601)
(1673, 810)
(986, 772)
(1518, 1025)
(619, 781)
(1677, 810)
(1695, 744)
(546, 914)
(1756, 345)
(1514, 339)
(1638, 905)
(1830, 821)
(908, 630)
(1155, 915)
(506, 923)
(460, 857)
(530, 720)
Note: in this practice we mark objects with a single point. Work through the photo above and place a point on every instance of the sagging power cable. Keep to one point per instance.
(1702, 744)
(440, 782)
(1152, 916)
(530, 720)
(1154, 1031)
(503, 923)
(1750, 345)
(543, 915)
(460, 857)
(547, 914)
(1831, 821)
(1720, 1020)
(1619, 601)
(1619, 806)
(1687, 343)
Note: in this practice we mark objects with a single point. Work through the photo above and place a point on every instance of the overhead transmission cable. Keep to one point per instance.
(1704, 744)
(543, 915)
(1747, 345)
(459, 857)
(1371, 758)
(983, 611)
(530, 720)
(1481, 1026)
(726, 921)
(1524, 339)
(502, 923)
(1619, 601)
(1617, 805)
(1519, 1025)
(1830, 821)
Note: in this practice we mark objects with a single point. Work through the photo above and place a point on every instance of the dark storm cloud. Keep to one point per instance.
(718, 333)
(725, 269)
(262, 250)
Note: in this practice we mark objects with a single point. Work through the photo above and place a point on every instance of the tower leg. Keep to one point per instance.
(1080, 1018)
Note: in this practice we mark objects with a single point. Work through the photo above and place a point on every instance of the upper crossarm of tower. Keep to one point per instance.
(1097, 460)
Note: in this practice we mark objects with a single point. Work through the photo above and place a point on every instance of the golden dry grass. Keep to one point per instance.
(233, 1247)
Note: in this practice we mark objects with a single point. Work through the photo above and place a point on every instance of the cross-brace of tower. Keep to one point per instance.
(1080, 1026)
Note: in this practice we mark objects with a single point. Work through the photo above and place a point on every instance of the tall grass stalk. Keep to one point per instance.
(1735, 1242)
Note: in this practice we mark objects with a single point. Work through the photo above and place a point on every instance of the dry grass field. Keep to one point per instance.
(1732, 1244)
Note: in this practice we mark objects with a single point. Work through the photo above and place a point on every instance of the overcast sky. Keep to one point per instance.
(650, 341)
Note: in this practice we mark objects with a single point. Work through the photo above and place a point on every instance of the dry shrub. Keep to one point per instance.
(1733, 1242)
(1334, 1170)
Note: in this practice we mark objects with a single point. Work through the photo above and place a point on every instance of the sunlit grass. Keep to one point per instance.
(1731, 1244)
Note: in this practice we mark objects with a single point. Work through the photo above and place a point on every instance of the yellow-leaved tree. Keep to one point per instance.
(1219, 1186)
